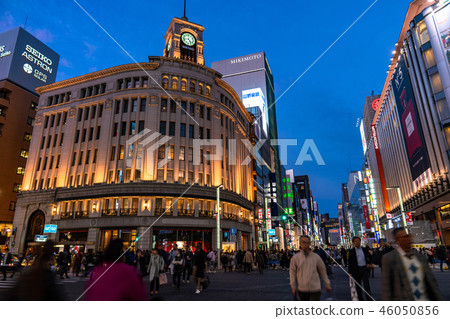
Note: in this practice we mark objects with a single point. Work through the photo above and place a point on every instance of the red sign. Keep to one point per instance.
(366, 216)
(388, 216)
(409, 219)
(260, 213)
(269, 215)
(375, 104)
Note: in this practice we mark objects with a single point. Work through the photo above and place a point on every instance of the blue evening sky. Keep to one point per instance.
(323, 105)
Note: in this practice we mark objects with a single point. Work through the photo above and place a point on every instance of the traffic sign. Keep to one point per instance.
(40, 238)
(50, 229)
(271, 232)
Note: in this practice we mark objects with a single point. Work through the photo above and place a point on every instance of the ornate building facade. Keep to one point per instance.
(133, 152)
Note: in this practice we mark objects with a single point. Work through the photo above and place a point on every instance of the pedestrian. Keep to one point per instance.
(178, 263)
(155, 267)
(6, 260)
(248, 259)
(211, 258)
(304, 271)
(88, 263)
(38, 282)
(358, 260)
(113, 280)
(261, 262)
(371, 266)
(441, 254)
(187, 268)
(224, 260)
(139, 263)
(170, 258)
(344, 256)
(199, 266)
(406, 275)
(62, 265)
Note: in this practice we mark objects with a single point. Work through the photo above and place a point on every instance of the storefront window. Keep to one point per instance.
(429, 58)
(422, 33)
(436, 83)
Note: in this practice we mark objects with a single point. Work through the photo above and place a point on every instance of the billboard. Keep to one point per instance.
(443, 23)
(416, 150)
(255, 98)
(363, 137)
(26, 61)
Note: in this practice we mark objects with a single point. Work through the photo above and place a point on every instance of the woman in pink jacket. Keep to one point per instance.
(115, 281)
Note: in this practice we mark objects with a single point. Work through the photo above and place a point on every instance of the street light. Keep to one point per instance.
(218, 224)
(401, 205)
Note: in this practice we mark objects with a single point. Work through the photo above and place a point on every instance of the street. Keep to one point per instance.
(273, 285)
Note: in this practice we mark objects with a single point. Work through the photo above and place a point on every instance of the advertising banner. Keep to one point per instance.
(419, 162)
(409, 219)
(260, 213)
(366, 216)
(443, 24)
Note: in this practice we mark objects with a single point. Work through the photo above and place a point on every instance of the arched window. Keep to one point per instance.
(192, 87)
(35, 225)
(175, 83)
(183, 85)
(208, 90)
(200, 89)
(165, 82)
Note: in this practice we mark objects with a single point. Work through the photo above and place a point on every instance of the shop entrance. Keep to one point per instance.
(183, 238)
(128, 237)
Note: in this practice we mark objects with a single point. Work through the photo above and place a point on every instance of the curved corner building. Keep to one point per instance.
(119, 150)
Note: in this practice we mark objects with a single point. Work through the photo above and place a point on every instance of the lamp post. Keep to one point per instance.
(218, 224)
(400, 198)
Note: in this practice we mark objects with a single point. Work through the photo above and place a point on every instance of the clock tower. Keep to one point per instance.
(184, 40)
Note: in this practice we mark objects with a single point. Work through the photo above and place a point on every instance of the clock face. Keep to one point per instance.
(188, 39)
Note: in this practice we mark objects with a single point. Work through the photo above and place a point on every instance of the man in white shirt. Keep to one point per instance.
(358, 259)
(406, 275)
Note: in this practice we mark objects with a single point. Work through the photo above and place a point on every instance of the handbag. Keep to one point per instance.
(353, 291)
(163, 279)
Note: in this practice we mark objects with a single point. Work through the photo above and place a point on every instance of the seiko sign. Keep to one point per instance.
(3, 53)
(247, 58)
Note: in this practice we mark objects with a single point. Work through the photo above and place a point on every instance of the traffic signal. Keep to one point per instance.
(283, 217)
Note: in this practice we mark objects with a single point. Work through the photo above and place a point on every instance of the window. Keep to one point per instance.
(145, 82)
(170, 152)
(24, 153)
(200, 89)
(86, 113)
(77, 136)
(132, 127)
(436, 82)
(27, 137)
(134, 103)
(117, 107)
(208, 90)
(422, 32)
(94, 159)
(58, 160)
(52, 121)
(165, 83)
(123, 129)
(46, 122)
(74, 158)
(55, 140)
(39, 164)
(141, 126)
(115, 129)
(191, 131)
(181, 155)
(208, 180)
(121, 151)
(61, 139)
(113, 153)
(33, 106)
(94, 110)
(65, 118)
(80, 158)
(137, 82)
(97, 135)
(183, 85)
(42, 142)
(30, 120)
(83, 136)
(190, 154)
(20, 170)
(161, 152)
(208, 113)
(125, 106)
(128, 83)
(192, 87)
(201, 111)
(181, 178)
(100, 110)
(182, 129)
(190, 177)
(192, 108)
(221, 119)
(170, 175)
(160, 175)
(208, 133)
(208, 156)
(173, 106)
(91, 133)
(51, 162)
(88, 156)
(174, 83)
(162, 127)
(139, 151)
(184, 107)
(12, 206)
(58, 119)
(80, 114)
(143, 104)
(429, 58)
(200, 179)
(200, 132)
(171, 128)
(119, 84)
(163, 105)
(17, 188)
(201, 156)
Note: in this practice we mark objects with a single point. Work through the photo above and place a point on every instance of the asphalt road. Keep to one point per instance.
(273, 285)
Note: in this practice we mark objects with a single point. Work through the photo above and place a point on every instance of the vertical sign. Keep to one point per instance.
(380, 169)
(416, 150)
(260, 213)
(366, 216)
(269, 215)
(409, 219)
